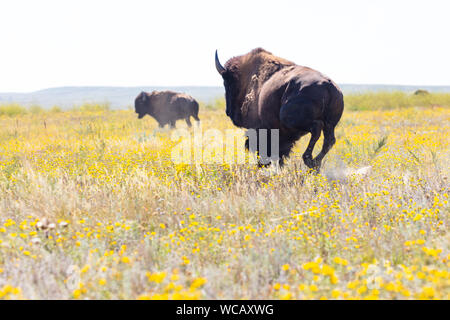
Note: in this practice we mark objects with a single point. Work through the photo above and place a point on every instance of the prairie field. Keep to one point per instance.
(93, 207)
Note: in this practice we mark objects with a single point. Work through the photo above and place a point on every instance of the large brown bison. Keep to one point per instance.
(166, 107)
(263, 91)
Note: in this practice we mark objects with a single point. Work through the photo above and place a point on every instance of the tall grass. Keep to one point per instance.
(92, 107)
(217, 104)
(15, 109)
(394, 100)
(88, 210)
(373, 101)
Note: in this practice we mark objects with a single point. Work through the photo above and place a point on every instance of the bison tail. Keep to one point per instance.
(335, 107)
(195, 111)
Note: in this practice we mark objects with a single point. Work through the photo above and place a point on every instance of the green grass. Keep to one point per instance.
(394, 100)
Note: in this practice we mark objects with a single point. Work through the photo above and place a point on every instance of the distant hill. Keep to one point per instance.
(117, 97)
(122, 97)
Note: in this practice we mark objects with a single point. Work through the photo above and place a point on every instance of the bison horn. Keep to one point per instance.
(219, 67)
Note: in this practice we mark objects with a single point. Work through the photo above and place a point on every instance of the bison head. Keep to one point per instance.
(243, 77)
(142, 105)
(232, 92)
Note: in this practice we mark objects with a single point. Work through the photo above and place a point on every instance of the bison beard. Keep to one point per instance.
(263, 91)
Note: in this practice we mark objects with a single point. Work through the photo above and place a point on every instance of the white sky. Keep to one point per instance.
(138, 43)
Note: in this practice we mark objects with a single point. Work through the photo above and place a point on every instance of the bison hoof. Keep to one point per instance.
(263, 165)
(312, 163)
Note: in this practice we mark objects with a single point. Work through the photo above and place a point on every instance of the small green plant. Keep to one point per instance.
(379, 145)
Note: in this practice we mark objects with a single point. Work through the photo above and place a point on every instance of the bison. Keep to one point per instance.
(166, 107)
(421, 92)
(263, 91)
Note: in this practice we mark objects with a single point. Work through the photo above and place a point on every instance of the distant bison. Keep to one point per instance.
(263, 91)
(166, 107)
(421, 92)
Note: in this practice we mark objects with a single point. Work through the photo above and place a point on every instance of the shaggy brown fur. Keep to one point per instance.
(166, 107)
(264, 91)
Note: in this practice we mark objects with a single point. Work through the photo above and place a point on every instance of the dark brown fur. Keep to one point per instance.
(166, 107)
(263, 91)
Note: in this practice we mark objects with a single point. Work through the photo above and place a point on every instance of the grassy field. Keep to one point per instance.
(91, 207)
(394, 100)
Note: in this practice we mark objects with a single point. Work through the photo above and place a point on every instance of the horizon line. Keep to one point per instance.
(210, 86)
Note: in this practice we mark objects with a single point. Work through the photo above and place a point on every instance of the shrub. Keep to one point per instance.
(35, 109)
(55, 109)
(12, 109)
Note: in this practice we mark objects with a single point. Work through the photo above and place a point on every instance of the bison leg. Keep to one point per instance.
(285, 149)
(188, 121)
(299, 115)
(262, 148)
(315, 130)
(328, 143)
(172, 124)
